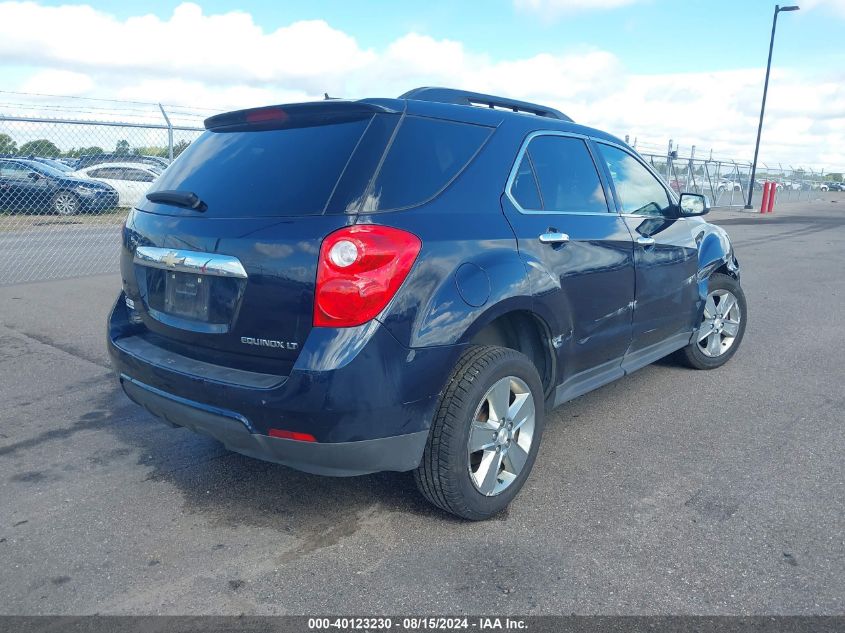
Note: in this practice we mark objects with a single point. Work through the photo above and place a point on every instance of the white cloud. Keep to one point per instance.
(219, 48)
(837, 6)
(226, 61)
(61, 82)
(554, 8)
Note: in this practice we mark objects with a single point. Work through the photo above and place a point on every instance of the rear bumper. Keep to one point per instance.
(366, 399)
(339, 459)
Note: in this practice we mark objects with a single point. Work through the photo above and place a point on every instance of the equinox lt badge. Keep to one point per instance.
(264, 342)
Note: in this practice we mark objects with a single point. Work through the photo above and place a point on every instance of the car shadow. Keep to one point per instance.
(234, 490)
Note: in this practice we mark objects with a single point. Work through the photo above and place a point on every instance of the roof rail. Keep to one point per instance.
(462, 97)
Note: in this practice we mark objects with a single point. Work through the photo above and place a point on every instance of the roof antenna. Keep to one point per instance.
(326, 96)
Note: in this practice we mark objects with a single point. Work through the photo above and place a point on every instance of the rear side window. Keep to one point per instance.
(137, 175)
(525, 188)
(280, 172)
(426, 155)
(564, 175)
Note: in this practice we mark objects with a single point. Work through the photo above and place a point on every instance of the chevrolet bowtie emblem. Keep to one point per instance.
(170, 260)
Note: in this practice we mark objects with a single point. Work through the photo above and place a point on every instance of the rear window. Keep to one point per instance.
(330, 168)
(268, 173)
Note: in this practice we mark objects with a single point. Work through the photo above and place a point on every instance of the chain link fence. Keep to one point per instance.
(66, 184)
(726, 181)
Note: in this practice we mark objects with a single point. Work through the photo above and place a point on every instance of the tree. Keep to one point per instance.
(180, 147)
(7, 145)
(40, 147)
(122, 147)
(151, 150)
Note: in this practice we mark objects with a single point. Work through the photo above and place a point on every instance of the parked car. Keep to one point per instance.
(678, 185)
(34, 187)
(130, 180)
(836, 186)
(728, 185)
(95, 159)
(52, 162)
(409, 284)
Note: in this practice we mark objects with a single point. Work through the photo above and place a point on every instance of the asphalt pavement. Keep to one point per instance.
(60, 250)
(669, 491)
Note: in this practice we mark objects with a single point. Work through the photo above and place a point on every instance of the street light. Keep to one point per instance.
(778, 9)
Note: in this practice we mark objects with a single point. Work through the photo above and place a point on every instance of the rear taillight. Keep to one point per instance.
(361, 268)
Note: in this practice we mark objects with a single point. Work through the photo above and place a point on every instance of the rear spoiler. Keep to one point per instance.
(294, 115)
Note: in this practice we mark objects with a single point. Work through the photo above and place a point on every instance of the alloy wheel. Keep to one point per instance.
(500, 436)
(65, 204)
(720, 325)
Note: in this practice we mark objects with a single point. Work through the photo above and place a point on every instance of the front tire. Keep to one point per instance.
(722, 325)
(485, 434)
(65, 203)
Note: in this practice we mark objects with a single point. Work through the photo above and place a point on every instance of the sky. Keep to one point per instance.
(687, 70)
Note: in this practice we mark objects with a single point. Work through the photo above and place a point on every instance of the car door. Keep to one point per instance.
(113, 176)
(137, 181)
(6, 174)
(578, 254)
(665, 256)
(23, 191)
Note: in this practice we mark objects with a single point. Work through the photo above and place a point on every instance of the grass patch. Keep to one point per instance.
(23, 221)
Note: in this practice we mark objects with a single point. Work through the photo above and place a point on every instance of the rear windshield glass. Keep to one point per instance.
(322, 168)
(425, 157)
(259, 174)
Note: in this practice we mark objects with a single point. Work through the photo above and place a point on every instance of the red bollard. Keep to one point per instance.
(766, 194)
(772, 192)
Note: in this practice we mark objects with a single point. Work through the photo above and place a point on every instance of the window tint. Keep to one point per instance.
(425, 156)
(638, 190)
(567, 175)
(137, 175)
(524, 188)
(284, 172)
(105, 172)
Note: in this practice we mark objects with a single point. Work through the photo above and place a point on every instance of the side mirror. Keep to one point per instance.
(692, 204)
(34, 175)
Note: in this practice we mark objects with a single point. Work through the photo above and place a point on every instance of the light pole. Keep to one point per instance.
(778, 9)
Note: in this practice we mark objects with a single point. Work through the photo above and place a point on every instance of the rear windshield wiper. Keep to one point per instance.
(187, 199)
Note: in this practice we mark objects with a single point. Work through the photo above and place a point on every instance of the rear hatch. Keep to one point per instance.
(231, 279)
(221, 257)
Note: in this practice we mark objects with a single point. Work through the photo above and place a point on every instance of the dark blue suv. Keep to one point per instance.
(409, 284)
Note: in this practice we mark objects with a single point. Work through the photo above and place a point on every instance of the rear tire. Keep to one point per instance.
(493, 402)
(722, 326)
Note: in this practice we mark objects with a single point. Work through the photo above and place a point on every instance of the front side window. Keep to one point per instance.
(564, 175)
(637, 189)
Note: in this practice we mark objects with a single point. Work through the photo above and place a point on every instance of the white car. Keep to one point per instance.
(728, 185)
(130, 180)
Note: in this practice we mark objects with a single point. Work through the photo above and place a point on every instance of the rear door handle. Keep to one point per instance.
(645, 241)
(554, 238)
